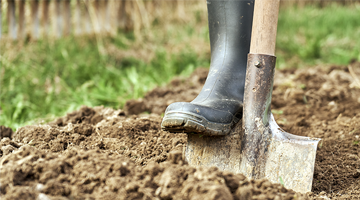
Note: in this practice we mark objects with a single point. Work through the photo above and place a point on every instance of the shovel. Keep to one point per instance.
(257, 147)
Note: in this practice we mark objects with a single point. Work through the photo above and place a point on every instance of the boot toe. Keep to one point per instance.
(193, 118)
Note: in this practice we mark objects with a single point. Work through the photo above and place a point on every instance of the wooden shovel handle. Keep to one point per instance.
(263, 36)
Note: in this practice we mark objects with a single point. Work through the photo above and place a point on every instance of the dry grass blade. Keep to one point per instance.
(356, 79)
(95, 22)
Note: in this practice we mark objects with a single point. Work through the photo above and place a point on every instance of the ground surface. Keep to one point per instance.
(101, 153)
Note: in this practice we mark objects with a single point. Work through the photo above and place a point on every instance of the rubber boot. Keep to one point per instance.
(218, 107)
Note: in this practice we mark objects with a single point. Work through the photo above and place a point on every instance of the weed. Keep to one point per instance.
(302, 86)
(277, 112)
(353, 131)
(305, 99)
(283, 121)
(281, 181)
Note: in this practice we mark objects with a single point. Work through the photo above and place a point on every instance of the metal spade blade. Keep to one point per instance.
(258, 147)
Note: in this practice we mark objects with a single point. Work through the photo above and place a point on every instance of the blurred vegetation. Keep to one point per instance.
(312, 35)
(44, 79)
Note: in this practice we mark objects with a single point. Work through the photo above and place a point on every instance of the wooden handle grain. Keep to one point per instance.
(263, 36)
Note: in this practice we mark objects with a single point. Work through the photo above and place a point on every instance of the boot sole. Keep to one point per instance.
(186, 122)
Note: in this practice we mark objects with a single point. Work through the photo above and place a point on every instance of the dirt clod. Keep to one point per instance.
(5, 132)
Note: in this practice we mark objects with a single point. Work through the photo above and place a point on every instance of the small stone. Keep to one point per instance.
(39, 187)
(43, 196)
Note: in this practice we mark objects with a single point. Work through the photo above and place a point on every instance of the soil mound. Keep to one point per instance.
(80, 174)
(101, 153)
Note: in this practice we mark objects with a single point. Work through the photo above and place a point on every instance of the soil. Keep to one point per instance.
(101, 153)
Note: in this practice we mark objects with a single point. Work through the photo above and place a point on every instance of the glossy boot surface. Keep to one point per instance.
(218, 107)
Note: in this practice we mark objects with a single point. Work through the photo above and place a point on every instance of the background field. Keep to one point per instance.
(45, 78)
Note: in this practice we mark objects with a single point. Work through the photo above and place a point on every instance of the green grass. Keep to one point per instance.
(48, 78)
(311, 35)
(54, 78)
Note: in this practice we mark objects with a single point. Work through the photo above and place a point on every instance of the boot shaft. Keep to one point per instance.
(230, 25)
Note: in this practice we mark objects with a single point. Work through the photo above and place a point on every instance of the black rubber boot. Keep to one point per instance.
(218, 107)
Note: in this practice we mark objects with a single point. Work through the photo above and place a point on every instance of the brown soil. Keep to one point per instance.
(101, 153)
(5, 132)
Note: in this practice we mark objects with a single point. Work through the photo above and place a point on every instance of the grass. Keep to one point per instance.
(73, 73)
(310, 36)
(48, 78)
